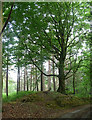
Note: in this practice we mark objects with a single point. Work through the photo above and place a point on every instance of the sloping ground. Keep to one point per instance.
(42, 105)
(80, 112)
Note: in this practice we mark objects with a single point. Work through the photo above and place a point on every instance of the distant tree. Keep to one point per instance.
(53, 67)
(31, 79)
(18, 77)
(24, 79)
(49, 72)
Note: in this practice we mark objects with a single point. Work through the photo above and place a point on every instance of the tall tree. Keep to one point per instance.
(91, 46)
(37, 80)
(18, 77)
(49, 72)
(27, 80)
(24, 79)
(0, 60)
(31, 79)
(58, 25)
(54, 84)
(7, 77)
(21, 84)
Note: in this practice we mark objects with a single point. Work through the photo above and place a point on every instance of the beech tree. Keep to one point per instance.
(50, 28)
(57, 27)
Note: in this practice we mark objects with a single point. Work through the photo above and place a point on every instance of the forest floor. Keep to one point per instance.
(43, 105)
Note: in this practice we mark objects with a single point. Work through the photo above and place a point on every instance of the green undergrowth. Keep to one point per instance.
(71, 101)
(53, 100)
(32, 98)
(14, 96)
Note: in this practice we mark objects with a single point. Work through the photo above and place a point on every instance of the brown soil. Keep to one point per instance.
(44, 108)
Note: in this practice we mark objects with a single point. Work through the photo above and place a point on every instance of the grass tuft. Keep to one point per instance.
(15, 96)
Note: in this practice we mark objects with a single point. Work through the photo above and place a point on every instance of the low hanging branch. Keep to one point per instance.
(40, 69)
(37, 65)
(7, 20)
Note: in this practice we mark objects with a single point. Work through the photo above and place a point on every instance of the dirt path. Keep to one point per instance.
(81, 112)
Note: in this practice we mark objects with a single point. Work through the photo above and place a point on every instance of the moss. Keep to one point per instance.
(14, 102)
(55, 99)
(32, 98)
(52, 104)
(71, 101)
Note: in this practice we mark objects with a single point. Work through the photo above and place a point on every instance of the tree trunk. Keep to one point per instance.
(36, 80)
(42, 79)
(49, 78)
(37, 86)
(21, 79)
(7, 79)
(27, 80)
(73, 82)
(42, 69)
(31, 80)
(18, 79)
(57, 80)
(91, 48)
(61, 88)
(27, 84)
(54, 84)
(0, 59)
(24, 79)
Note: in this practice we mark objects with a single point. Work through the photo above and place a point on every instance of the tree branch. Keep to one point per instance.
(7, 20)
(49, 40)
(41, 70)
(68, 77)
(37, 65)
(74, 70)
(68, 33)
(74, 39)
